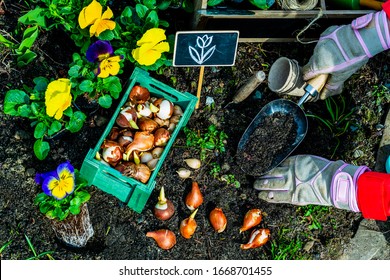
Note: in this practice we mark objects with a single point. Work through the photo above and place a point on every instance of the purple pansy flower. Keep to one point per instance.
(99, 51)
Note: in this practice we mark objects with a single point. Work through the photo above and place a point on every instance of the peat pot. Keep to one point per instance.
(75, 230)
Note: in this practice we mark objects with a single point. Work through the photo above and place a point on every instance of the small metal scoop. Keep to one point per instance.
(284, 106)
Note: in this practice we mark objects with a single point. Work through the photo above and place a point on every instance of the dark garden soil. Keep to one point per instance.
(273, 137)
(296, 232)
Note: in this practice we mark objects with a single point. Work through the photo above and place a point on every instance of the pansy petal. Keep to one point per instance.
(99, 51)
(40, 177)
(90, 14)
(146, 56)
(107, 14)
(58, 193)
(49, 184)
(101, 25)
(109, 66)
(162, 47)
(153, 35)
(65, 167)
(57, 97)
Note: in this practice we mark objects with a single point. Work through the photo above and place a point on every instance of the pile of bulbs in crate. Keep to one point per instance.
(143, 128)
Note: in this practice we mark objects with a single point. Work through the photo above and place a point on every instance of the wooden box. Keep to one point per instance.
(272, 25)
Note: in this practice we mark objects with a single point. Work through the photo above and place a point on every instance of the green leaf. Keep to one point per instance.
(113, 85)
(29, 37)
(6, 42)
(74, 71)
(41, 197)
(75, 201)
(126, 16)
(76, 121)
(41, 149)
(106, 35)
(68, 112)
(26, 58)
(86, 86)
(44, 207)
(40, 84)
(141, 10)
(212, 3)
(74, 209)
(13, 99)
(35, 16)
(152, 20)
(40, 130)
(262, 4)
(54, 128)
(105, 101)
(84, 196)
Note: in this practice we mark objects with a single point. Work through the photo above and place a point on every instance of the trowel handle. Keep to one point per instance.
(313, 87)
(250, 85)
(318, 82)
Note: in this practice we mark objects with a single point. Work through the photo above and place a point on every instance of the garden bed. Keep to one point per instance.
(296, 232)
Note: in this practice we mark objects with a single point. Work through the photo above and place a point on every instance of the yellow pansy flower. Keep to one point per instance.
(92, 15)
(58, 97)
(151, 46)
(109, 66)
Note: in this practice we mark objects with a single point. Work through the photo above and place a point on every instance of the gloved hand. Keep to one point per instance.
(306, 179)
(342, 50)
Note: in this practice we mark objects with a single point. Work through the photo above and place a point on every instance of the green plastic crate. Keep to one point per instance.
(128, 190)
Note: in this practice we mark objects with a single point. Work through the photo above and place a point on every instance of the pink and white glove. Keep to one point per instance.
(343, 50)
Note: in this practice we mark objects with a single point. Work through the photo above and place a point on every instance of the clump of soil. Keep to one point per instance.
(268, 143)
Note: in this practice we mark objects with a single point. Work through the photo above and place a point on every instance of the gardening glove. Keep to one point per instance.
(306, 179)
(342, 50)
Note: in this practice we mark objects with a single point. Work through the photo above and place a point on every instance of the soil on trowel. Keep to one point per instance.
(271, 139)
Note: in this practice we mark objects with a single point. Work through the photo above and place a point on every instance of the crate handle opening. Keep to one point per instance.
(173, 97)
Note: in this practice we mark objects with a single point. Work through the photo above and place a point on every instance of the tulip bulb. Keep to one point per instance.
(127, 117)
(188, 225)
(140, 172)
(143, 141)
(112, 152)
(258, 238)
(139, 94)
(164, 238)
(183, 173)
(194, 198)
(252, 218)
(218, 219)
(161, 137)
(147, 124)
(164, 208)
(165, 108)
(194, 163)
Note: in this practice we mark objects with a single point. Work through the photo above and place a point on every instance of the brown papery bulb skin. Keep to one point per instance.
(188, 226)
(164, 238)
(194, 198)
(164, 208)
(218, 219)
(139, 94)
(257, 239)
(252, 218)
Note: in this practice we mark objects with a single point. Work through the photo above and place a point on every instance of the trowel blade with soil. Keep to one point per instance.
(284, 107)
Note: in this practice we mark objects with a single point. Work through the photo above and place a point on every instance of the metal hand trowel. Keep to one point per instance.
(284, 106)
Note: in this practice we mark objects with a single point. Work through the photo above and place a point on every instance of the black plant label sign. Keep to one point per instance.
(205, 48)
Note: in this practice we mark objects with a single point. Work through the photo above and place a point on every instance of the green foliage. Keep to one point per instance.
(229, 179)
(338, 118)
(36, 255)
(285, 248)
(261, 4)
(70, 205)
(30, 103)
(382, 96)
(86, 83)
(211, 141)
(312, 215)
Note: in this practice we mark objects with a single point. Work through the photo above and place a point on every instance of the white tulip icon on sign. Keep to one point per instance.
(202, 42)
